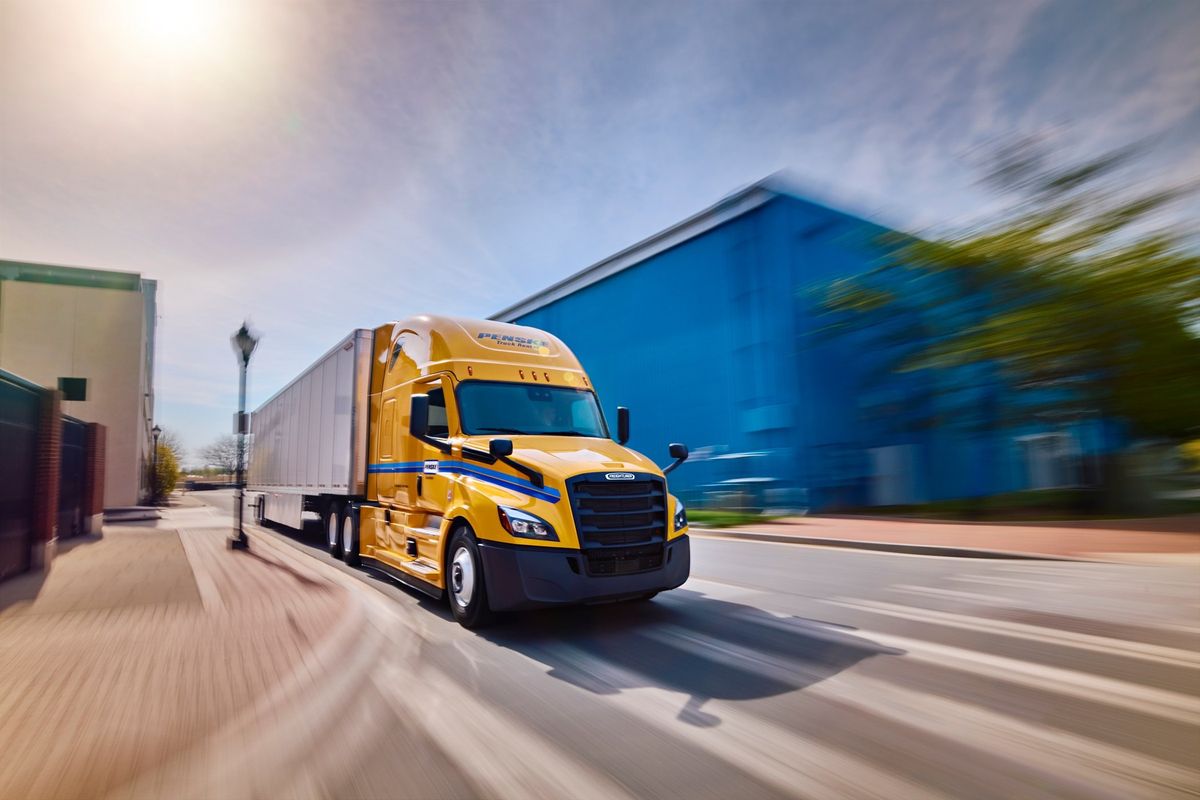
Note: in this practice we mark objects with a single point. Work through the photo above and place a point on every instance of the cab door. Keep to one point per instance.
(429, 485)
(385, 451)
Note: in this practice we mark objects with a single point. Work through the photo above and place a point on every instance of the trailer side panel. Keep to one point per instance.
(310, 439)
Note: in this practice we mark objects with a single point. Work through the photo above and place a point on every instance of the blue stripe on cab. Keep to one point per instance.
(501, 479)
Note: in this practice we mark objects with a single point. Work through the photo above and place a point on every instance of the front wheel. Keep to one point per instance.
(464, 580)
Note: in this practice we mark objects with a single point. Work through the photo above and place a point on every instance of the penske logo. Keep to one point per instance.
(619, 476)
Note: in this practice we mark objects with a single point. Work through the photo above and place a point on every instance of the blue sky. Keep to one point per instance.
(319, 166)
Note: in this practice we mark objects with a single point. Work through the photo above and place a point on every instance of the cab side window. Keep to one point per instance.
(439, 425)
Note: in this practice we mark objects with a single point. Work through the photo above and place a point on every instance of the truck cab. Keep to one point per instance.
(493, 477)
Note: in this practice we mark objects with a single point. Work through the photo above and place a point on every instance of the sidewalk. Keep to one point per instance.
(1106, 539)
(153, 661)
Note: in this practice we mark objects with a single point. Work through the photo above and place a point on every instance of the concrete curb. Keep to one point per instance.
(116, 516)
(885, 547)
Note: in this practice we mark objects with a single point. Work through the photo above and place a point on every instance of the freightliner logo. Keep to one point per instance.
(618, 476)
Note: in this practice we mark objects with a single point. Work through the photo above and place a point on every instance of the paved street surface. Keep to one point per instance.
(790, 671)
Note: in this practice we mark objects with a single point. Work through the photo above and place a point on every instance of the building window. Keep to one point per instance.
(1052, 460)
(73, 388)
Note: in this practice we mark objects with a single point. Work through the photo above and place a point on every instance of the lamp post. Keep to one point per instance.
(156, 432)
(244, 343)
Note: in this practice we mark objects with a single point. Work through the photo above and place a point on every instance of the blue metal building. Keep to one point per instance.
(710, 332)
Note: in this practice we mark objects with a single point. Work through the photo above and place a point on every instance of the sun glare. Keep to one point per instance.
(178, 27)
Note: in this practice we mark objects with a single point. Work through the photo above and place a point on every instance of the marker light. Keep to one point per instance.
(680, 515)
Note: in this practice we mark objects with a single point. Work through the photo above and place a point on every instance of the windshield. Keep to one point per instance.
(488, 409)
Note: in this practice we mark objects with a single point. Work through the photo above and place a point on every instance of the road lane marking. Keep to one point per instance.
(1129, 774)
(791, 763)
(1019, 604)
(1036, 633)
(1017, 583)
(1076, 758)
(499, 754)
(1086, 686)
(955, 594)
(1113, 692)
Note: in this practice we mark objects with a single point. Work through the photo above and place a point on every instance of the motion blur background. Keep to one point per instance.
(970, 274)
(900, 274)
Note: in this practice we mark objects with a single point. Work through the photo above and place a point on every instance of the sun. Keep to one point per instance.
(175, 27)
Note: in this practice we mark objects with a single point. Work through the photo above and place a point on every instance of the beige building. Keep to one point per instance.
(89, 333)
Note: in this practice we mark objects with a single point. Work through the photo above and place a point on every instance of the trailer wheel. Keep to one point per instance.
(464, 580)
(331, 521)
(349, 519)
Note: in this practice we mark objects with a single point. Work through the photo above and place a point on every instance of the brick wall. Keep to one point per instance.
(93, 478)
(45, 486)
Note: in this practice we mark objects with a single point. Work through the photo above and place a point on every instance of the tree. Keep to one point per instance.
(221, 453)
(170, 439)
(167, 471)
(1081, 295)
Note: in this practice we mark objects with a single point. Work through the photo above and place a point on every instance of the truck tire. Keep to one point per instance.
(349, 537)
(465, 586)
(331, 524)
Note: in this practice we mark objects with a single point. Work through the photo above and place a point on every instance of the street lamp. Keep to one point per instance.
(244, 343)
(156, 431)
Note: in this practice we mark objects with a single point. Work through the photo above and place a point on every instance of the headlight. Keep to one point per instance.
(524, 525)
(680, 515)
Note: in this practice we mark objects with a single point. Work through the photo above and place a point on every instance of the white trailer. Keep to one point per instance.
(308, 443)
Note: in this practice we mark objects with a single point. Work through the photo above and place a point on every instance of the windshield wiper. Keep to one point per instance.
(498, 430)
(566, 433)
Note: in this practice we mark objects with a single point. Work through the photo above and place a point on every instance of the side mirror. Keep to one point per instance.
(679, 452)
(622, 424)
(418, 423)
(501, 449)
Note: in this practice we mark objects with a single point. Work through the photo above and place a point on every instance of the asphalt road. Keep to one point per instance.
(791, 671)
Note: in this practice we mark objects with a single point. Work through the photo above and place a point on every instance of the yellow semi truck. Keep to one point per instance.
(469, 459)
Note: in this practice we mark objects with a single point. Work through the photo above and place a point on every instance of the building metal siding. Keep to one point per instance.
(717, 341)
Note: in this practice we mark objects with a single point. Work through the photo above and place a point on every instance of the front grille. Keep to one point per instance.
(622, 525)
(623, 560)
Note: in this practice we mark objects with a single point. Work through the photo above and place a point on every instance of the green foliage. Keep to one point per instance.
(713, 518)
(1191, 454)
(166, 471)
(1084, 288)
